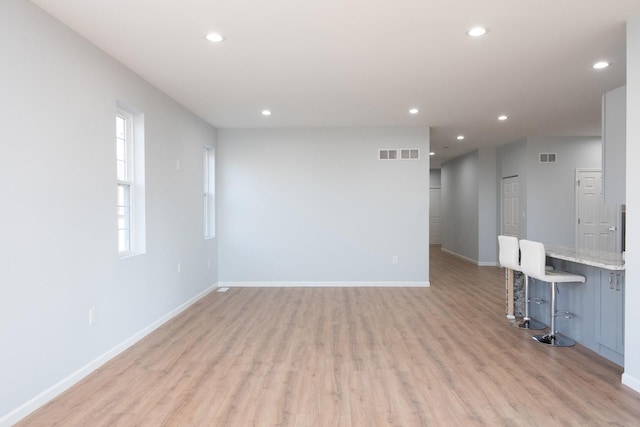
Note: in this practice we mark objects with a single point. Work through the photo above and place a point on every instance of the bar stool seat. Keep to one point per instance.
(533, 265)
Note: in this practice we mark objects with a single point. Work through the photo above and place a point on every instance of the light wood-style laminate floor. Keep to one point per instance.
(439, 356)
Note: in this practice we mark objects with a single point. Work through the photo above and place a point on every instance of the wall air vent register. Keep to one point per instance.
(405, 154)
(547, 157)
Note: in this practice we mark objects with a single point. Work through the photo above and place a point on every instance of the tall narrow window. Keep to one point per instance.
(209, 199)
(130, 200)
(125, 175)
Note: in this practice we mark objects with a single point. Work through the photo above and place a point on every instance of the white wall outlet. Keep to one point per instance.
(177, 165)
(394, 260)
(179, 267)
(92, 316)
(208, 264)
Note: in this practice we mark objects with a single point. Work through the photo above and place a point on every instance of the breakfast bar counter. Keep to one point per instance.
(606, 260)
(597, 305)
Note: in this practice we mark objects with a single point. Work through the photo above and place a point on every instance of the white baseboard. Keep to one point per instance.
(631, 382)
(473, 261)
(487, 264)
(324, 284)
(55, 390)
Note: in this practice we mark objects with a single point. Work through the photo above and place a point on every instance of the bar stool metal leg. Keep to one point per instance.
(527, 322)
(509, 293)
(553, 338)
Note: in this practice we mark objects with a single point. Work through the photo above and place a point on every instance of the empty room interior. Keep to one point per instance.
(287, 213)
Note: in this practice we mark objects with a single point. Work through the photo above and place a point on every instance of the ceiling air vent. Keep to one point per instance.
(387, 154)
(409, 154)
(547, 157)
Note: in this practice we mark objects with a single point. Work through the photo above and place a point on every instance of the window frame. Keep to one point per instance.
(130, 178)
(125, 178)
(209, 193)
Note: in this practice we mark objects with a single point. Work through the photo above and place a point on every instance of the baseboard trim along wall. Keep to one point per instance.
(473, 261)
(487, 264)
(631, 382)
(324, 284)
(57, 389)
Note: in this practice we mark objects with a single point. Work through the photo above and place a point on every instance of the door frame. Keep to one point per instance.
(502, 203)
(618, 210)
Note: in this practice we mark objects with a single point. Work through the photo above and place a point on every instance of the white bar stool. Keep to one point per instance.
(509, 256)
(533, 265)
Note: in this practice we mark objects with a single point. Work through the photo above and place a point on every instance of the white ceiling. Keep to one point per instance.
(337, 63)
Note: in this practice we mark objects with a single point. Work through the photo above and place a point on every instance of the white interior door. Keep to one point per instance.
(510, 206)
(597, 222)
(435, 233)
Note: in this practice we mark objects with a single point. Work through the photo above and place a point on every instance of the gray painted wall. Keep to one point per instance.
(57, 172)
(511, 161)
(551, 186)
(487, 209)
(304, 205)
(469, 206)
(631, 375)
(57, 178)
(547, 191)
(472, 185)
(434, 178)
(460, 213)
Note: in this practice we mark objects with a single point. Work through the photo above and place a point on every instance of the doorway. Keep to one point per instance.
(510, 206)
(435, 231)
(597, 223)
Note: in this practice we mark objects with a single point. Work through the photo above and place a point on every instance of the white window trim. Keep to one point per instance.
(209, 193)
(134, 180)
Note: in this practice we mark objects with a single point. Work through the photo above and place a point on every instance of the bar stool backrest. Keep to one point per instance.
(533, 259)
(509, 252)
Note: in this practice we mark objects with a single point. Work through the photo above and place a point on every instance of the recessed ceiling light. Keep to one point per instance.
(460, 137)
(503, 117)
(432, 153)
(214, 37)
(600, 65)
(266, 112)
(477, 32)
(414, 111)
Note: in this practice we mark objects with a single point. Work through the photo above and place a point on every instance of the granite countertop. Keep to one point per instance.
(606, 260)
